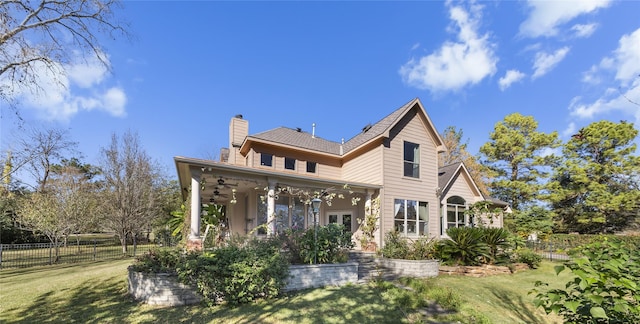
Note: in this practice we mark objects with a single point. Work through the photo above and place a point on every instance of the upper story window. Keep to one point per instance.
(411, 217)
(311, 167)
(266, 159)
(289, 163)
(411, 160)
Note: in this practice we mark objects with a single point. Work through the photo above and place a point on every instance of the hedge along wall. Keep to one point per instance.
(410, 268)
(161, 289)
(165, 290)
(320, 275)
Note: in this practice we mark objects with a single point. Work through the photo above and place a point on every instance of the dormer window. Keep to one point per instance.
(266, 159)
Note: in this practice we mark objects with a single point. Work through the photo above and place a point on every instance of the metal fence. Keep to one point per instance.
(39, 254)
(550, 251)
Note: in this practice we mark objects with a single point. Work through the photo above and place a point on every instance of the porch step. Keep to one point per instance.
(368, 267)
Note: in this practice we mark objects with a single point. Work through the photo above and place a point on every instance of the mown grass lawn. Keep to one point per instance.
(97, 293)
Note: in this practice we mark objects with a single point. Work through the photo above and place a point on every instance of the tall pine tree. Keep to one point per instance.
(595, 188)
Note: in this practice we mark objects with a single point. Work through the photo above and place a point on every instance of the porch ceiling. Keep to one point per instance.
(244, 179)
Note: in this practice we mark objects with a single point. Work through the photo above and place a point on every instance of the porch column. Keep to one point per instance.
(194, 242)
(271, 208)
(367, 206)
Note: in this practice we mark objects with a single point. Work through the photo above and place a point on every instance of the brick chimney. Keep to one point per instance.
(238, 131)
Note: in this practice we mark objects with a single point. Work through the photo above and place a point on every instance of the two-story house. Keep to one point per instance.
(266, 180)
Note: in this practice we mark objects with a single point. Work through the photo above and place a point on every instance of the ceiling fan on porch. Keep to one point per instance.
(222, 184)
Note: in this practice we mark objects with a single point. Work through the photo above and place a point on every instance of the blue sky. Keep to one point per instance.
(191, 66)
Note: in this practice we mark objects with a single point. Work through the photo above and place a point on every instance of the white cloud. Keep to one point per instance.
(547, 151)
(510, 77)
(62, 95)
(627, 57)
(570, 130)
(627, 102)
(624, 68)
(456, 64)
(545, 62)
(546, 16)
(584, 30)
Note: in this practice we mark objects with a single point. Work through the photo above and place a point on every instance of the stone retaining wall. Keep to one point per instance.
(165, 290)
(320, 275)
(161, 289)
(410, 268)
(481, 271)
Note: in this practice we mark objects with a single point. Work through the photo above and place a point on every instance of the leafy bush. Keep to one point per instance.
(529, 257)
(605, 288)
(161, 260)
(395, 246)
(464, 246)
(496, 240)
(398, 247)
(236, 273)
(331, 246)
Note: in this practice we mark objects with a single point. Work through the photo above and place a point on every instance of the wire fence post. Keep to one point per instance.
(0, 255)
(551, 252)
(50, 256)
(94, 249)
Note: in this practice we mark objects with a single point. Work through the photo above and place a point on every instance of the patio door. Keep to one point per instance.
(345, 218)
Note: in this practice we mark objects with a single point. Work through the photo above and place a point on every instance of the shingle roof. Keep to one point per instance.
(301, 139)
(378, 128)
(445, 173)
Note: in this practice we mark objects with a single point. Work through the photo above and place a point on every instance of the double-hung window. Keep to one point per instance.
(411, 217)
(411, 160)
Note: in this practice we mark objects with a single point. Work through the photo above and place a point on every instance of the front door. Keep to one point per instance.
(344, 218)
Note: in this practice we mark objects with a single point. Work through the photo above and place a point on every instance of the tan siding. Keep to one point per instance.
(460, 187)
(366, 167)
(413, 129)
(326, 167)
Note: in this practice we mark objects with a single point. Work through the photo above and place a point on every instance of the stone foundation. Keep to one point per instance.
(161, 289)
(409, 268)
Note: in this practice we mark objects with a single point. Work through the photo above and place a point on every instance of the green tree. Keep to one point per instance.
(595, 188)
(65, 206)
(516, 153)
(457, 152)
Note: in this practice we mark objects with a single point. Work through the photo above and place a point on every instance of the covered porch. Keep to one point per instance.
(264, 202)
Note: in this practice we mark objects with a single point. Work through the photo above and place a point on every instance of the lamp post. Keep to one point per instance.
(316, 208)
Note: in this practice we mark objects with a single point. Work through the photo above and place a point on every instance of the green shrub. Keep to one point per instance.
(237, 273)
(161, 260)
(424, 248)
(464, 246)
(529, 257)
(496, 240)
(395, 246)
(605, 288)
(331, 246)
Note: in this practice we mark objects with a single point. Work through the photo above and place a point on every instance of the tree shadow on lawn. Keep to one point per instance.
(93, 301)
(517, 306)
(348, 304)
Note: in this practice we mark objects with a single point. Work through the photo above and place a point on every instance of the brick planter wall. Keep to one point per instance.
(410, 268)
(320, 275)
(161, 289)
